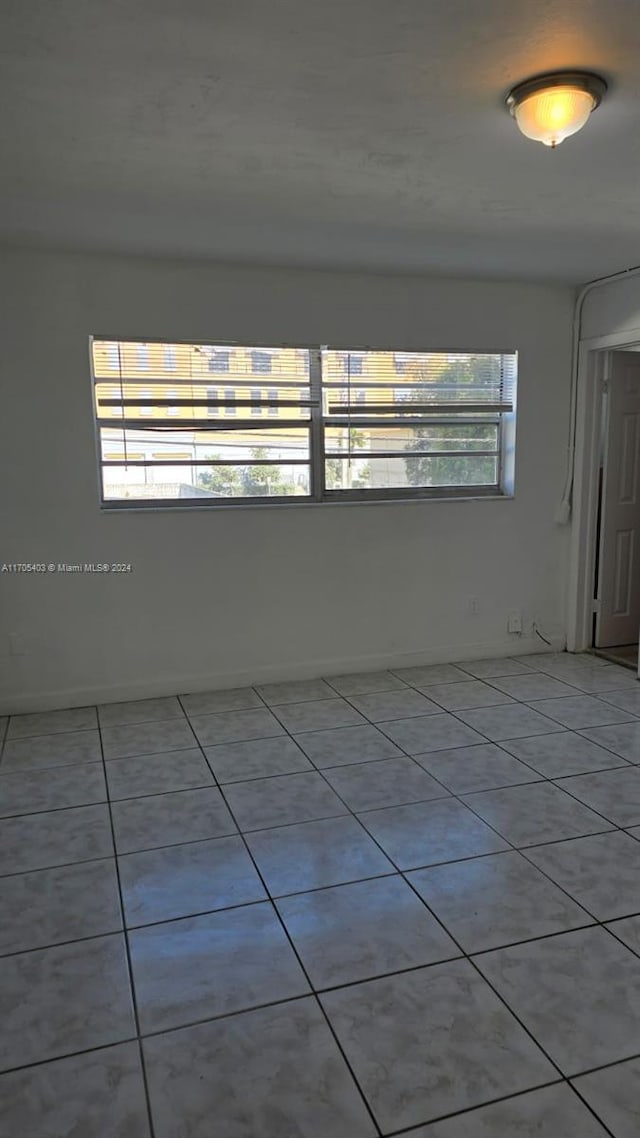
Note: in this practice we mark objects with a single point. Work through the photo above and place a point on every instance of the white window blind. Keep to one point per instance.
(333, 424)
(435, 421)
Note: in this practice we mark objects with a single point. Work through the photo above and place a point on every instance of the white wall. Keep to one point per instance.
(612, 310)
(219, 598)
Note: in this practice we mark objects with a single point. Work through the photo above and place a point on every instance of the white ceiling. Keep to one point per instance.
(334, 133)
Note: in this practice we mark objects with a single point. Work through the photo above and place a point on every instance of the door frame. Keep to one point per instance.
(592, 362)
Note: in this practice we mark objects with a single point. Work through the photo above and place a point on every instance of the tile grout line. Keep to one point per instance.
(592, 808)
(312, 991)
(125, 936)
(564, 1080)
(592, 923)
(581, 732)
(545, 779)
(611, 827)
(628, 916)
(471, 959)
(48, 734)
(410, 757)
(306, 996)
(461, 799)
(561, 728)
(614, 828)
(589, 1107)
(310, 995)
(401, 873)
(470, 677)
(5, 732)
(622, 764)
(410, 1130)
(595, 923)
(464, 955)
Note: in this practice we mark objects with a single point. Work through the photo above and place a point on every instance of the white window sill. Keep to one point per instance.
(188, 504)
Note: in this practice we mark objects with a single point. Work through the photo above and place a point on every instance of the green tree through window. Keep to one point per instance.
(258, 479)
(457, 470)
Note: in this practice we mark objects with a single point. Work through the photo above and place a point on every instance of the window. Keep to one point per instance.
(113, 355)
(446, 430)
(219, 360)
(143, 356)
(261, 362)
(169, 357)
(444, 427)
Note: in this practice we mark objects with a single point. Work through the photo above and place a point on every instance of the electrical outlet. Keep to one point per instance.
(474, 606)
(514, 622)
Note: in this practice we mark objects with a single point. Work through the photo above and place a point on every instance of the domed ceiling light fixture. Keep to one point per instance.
(549, 108)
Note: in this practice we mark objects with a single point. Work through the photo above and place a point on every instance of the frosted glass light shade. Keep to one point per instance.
(551, 116)
(551, 108)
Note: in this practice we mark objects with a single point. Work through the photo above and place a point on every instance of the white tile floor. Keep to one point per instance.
(367, 905)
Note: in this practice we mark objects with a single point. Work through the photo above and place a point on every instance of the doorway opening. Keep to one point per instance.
(607, 514)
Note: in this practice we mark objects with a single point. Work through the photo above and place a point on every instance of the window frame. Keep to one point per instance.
(319, 495)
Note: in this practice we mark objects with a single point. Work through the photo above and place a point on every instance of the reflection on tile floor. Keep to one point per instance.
(397, 901)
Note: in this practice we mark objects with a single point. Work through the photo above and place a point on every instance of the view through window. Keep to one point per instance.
(332, 424)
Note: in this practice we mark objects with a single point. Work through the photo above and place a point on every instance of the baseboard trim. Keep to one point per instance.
(179, 683)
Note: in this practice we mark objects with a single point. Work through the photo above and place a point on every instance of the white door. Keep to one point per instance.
(618, 610)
